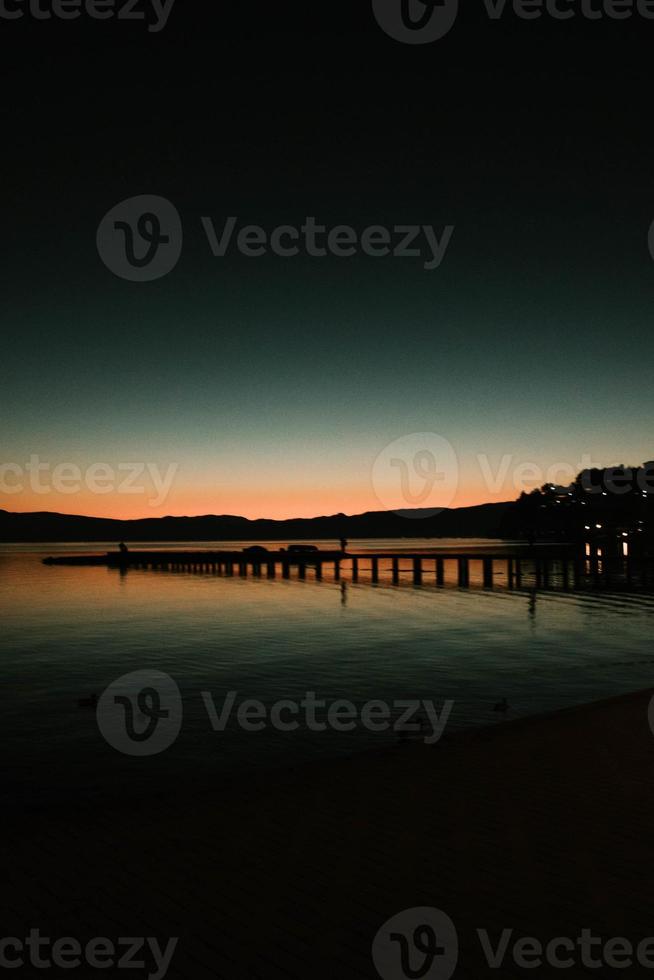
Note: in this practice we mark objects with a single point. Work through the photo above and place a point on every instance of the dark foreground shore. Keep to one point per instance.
(541, 826)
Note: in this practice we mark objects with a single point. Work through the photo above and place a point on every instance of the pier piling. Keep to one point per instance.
(564, 570)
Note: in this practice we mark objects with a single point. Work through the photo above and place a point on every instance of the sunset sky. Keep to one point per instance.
(271, 385)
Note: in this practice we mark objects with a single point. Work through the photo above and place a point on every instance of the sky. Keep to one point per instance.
(286, 386)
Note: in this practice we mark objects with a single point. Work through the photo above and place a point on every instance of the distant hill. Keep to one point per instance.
(484, 521)
(615, 500)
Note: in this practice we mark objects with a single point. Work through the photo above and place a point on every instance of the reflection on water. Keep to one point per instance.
(69, 632)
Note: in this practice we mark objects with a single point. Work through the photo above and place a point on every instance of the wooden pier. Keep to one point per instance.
(517, 571)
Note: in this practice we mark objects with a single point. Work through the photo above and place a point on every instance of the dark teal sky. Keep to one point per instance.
(274, 383)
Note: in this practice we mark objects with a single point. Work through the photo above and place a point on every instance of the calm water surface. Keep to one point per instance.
(69, 632)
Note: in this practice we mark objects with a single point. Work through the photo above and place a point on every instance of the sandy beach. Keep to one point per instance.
(539, 825)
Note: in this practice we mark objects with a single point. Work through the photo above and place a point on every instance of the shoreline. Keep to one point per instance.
(453, 742)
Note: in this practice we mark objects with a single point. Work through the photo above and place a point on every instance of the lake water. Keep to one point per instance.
(68, 632)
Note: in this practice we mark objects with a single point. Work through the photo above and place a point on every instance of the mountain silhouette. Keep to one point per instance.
(484, 520)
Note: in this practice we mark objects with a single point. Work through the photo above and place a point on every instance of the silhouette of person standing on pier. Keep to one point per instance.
(343, 545)
(124, 550)
(533, 599)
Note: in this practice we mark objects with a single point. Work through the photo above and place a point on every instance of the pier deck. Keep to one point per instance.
(523, 569)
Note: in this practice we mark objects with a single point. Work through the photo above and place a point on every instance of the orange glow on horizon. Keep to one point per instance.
(303, 481)
(277, 504)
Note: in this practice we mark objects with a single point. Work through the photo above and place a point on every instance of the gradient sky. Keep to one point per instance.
(273, 384)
